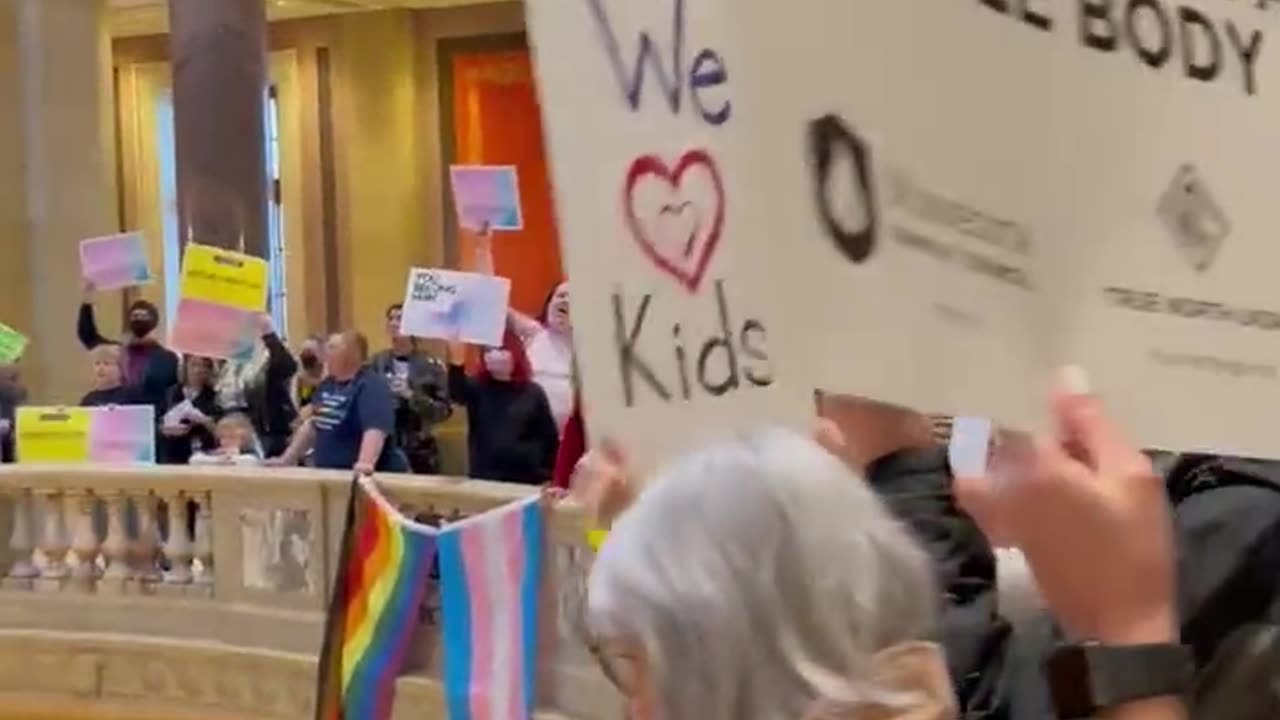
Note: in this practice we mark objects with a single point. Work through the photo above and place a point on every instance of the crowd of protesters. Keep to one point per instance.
(333, 405)
(847, 576)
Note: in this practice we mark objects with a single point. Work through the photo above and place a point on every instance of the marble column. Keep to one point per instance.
(57, 177)
(219, 55)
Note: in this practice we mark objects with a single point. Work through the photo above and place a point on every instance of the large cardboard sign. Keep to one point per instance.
(933, 204)
(222, 295)
(659, 218)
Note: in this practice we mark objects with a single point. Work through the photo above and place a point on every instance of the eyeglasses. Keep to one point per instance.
(617, 665)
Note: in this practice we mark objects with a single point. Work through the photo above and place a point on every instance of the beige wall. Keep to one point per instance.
(381, 214)
(57, 176)
(387, 169)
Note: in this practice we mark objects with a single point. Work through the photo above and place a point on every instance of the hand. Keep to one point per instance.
(5, 427)
(280, 461)
(178, 430)
(266, 326)
(552, 495)
(87, 289)
(482, 233)
(602, 482)
(1093, 520)
(363, 468)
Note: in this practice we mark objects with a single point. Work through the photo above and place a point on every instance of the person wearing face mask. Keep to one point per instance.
(12, 394)
(548, 338)
(352, 424)
(511, 434)
(150, 368)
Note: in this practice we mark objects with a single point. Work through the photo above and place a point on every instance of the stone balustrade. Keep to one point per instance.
(202, 591)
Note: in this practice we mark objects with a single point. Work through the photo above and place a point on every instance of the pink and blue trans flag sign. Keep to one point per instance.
(115, 261)
(490, 569)
(487, 194)
(123, 434)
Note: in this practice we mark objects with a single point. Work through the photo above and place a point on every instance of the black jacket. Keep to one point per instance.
(511, 434)
(916, 486)
(428, 406)
(121, 395)
(270, 402)
(160, 369)
(178, 450)
(9, 402)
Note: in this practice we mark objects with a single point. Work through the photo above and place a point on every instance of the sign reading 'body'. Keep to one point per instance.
(1160, 35)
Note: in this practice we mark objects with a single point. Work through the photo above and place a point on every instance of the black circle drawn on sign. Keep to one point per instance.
(829, 136)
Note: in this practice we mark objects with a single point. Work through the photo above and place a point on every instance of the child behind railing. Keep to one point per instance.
(237, 443)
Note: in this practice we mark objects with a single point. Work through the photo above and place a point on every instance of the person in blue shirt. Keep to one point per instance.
(352, 425)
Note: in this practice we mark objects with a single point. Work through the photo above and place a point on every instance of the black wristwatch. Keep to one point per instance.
(1090, 677)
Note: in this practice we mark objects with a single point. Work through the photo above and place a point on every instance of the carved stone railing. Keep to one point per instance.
(202, 591)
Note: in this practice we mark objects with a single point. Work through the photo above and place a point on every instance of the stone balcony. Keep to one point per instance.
(176, 592)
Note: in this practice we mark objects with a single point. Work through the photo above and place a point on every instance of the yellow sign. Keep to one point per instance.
(224, 277)
(53, 435)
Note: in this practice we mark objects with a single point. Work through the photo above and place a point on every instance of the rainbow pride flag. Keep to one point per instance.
(373, 613)
(490, 569)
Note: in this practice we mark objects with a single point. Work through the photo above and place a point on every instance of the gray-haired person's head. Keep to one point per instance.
(760, 578)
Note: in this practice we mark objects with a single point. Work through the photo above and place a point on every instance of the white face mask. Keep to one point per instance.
(499, 363)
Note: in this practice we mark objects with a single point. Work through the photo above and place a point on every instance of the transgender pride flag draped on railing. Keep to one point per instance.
(490, 567)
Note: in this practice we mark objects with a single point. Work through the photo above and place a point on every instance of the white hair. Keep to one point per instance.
(759, 575)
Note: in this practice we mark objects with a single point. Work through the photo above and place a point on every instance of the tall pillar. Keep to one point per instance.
(219, 57)
(57, 178)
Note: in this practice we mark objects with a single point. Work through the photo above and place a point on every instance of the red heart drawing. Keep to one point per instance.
(688, 269)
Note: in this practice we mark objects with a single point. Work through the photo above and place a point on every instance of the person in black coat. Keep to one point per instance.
(109, 387)
(262, 388)
(149, 368)
(511, 433)
(190, 413)
(12, 394)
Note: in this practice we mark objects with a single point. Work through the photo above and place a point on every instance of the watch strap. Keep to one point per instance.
(1089, 677)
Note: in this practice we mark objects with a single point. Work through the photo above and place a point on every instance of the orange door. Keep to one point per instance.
(497, 122)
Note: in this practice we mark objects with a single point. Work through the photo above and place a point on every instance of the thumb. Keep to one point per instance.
(1086, 431)
(612, 451)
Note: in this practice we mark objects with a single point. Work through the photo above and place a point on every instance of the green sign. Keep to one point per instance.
(12, 343)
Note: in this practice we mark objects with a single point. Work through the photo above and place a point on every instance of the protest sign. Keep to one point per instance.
(113, 434)
(1047, 220)
(221, 296)
(53, 435)
(487, 194)
(115, 261)
(12, 344)
(942, 240)
(660, 220)
(455, 306)
(123, 434)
